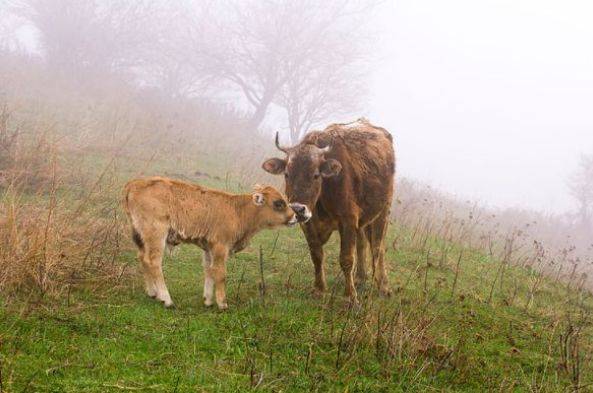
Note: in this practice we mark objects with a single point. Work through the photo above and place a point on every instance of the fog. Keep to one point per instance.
(490, 100)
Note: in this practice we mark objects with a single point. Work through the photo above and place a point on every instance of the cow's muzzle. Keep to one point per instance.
(302, 212)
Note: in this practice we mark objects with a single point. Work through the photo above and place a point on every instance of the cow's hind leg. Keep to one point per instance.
(376, 235)
(361, 257)
(208, 278)
(347, 249)
(154, 245)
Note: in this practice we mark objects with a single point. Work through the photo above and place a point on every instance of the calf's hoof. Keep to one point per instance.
(223, 306)
(169, 305)
(208, 302)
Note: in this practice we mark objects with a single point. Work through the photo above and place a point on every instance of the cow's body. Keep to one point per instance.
(163, 210)
(344, 175)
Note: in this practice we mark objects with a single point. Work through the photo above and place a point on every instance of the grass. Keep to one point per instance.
(423, 338)
(459, 319)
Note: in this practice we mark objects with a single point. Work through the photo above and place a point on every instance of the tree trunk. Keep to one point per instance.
(260, 112)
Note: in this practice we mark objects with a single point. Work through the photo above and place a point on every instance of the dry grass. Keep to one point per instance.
(50, 241)
(543, 243)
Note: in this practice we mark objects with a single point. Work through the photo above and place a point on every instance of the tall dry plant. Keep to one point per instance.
(50, 240)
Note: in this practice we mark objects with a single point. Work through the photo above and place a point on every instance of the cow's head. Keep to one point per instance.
(273, 207)
(304, 169)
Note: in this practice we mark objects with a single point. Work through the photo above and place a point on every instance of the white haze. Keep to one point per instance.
(491, 100)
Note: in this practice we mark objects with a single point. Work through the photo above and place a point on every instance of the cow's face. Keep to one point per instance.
(304, 170)
(274, 208)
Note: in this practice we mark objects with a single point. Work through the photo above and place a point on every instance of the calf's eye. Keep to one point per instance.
(279, 204)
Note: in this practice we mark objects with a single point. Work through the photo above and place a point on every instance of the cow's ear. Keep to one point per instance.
(258, 198)
(330, 168)
(275, 166)
(322, 140)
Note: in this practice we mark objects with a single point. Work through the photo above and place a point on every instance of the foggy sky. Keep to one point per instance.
(491, 100)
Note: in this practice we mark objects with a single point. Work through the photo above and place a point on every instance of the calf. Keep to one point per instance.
(167, 211)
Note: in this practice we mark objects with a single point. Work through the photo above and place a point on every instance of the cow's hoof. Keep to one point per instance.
(361, 286)
(385, 292)
(208, 303)
(223, 306)
(352, 304)
(317, 293)
(169, 305)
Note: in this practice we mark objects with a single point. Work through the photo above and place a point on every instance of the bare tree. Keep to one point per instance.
(581, 189)
(325, 87)
(82, 36)
(283, 53)
(9, 24)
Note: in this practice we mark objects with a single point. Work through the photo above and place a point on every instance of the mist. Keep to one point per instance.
(489, 100)
(157, 153)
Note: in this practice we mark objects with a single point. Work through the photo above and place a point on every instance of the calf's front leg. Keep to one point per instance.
(208, 279)
(219, 254)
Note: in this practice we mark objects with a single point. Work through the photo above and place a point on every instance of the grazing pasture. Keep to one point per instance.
(473, 307)
(459, 320)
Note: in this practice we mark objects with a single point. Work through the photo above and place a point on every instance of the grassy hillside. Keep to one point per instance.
(452, 324)
(74, 317)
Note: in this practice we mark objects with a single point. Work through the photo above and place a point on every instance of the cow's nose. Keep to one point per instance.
(298, 208)
(302, 211)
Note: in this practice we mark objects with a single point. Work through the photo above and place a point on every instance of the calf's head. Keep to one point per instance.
(273, 209)
(304, 169)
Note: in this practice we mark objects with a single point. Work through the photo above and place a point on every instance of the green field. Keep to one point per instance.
(436, 332)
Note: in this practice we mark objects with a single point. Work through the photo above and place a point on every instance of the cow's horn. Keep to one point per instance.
(282, 149)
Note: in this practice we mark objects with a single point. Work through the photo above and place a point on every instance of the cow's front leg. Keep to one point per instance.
(317, 234)
(317, 257)
(348, 234)
(218, 270)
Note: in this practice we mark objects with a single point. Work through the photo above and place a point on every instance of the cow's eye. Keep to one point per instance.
(286, 175)
(316, 176)
(279, 204)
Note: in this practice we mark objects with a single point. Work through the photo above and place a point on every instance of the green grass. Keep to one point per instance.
(423, 338)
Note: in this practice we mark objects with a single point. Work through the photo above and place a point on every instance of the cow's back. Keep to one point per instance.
(368, 167)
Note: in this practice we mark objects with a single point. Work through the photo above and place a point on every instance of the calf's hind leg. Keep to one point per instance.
(154, 245)
(149, 287)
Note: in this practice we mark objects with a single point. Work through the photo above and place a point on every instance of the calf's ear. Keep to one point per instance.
(275, 166)
(258, 198)
(330, 168)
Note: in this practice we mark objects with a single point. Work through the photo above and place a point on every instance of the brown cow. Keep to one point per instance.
(163, 210)
(342, 179)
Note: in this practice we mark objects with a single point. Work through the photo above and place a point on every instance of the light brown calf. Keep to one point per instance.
(163, 210)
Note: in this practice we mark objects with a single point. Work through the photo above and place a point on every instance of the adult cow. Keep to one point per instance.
(342, 179)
